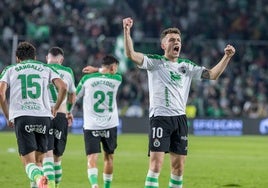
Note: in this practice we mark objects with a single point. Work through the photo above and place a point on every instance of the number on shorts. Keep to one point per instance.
(157, 132)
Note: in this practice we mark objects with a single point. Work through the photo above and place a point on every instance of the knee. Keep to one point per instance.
(177, 169)
(108, 159)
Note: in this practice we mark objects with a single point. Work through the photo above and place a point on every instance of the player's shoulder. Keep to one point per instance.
(155, 56)
(85, 77)
(99, 76)
(186, 61)
(61, 67)
(116, 76)
(6, 69)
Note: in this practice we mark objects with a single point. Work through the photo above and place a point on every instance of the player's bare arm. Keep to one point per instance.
(90, 69)
(3, 88)
(71, 97)
(62, 90)
(3, 102)
(217, 70)
(136, 57)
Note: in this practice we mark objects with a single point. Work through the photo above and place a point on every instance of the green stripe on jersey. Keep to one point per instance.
(116, 76)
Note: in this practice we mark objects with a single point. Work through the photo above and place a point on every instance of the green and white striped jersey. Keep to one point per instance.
(99, 100)
(169, 84)
(28, 82)
(66, 73)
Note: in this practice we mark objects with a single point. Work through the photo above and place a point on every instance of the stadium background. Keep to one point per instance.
(89, 29)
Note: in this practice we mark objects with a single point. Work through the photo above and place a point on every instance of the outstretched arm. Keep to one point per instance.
(90, 69)
(136, 57)
(217, 70)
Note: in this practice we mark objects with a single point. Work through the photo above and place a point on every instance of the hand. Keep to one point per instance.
(127, 23)
(229, 50)
(53, 112)
(70, 118)
(90, 69)
(10, 124)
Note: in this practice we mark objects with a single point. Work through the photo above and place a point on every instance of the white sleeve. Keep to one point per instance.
(197, 72)
(147, 63)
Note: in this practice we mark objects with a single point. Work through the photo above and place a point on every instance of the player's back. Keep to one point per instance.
(67, 75)
(99, 100)
(28, 82)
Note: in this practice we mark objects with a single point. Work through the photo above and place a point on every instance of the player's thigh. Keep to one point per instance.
(60, 125)
(179, 137)
(31, 133)
(160, 131)
(92, 142)
(109, 140)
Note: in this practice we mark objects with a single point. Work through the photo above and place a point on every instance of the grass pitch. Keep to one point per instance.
(212, 162)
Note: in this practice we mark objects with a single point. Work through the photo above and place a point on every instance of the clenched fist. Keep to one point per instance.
(229, 50)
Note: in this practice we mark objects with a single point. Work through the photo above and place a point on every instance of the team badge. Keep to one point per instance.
(182, 69)
(156, 143)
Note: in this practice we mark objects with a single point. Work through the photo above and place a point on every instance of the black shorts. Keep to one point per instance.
(94, 138)
(32, 133)
(168, 134)
(58, 134)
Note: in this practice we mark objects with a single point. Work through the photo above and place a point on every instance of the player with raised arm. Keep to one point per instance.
(101, 119)
(29, 110)
(58, 134)
(169, 79)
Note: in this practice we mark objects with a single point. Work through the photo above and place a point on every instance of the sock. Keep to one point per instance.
(175, 181)
(33, 172)
(92, 176)
(151, 179)
(48, 168)
(58, 172)
(107, 179)
(33, 184)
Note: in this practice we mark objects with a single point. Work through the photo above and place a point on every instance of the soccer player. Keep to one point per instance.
(101, 119)
(59, 131)
(29, 110)
(169, 79)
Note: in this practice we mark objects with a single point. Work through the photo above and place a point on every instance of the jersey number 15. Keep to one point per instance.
(29, 87)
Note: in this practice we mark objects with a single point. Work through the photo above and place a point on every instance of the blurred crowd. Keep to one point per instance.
(87, 30)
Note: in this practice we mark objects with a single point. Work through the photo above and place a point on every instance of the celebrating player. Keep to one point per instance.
(169, 79)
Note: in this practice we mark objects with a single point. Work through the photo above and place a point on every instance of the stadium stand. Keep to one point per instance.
(87, 30)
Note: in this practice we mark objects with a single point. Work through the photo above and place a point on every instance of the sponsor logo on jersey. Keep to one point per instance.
(36, 128)
(101, 133)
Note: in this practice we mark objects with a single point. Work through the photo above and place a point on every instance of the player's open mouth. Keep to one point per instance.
(176, 49)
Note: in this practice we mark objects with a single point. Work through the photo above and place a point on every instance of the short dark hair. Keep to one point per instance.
(108, 60)
(56, 51)
(25, 50)
(168, 31)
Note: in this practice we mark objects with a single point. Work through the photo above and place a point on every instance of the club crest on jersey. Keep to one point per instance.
(156, 143)
(182, 69)
(166, 65)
